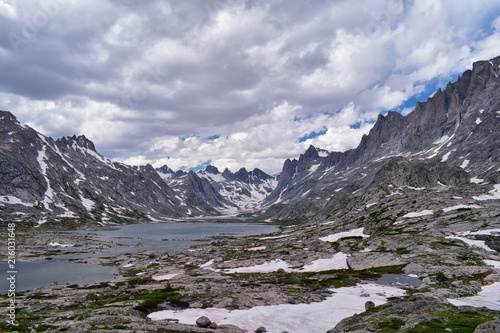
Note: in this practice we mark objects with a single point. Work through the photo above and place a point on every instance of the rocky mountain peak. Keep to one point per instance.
(227, 174)
(165, 171)
(7, 116)
(311, 153)
(241, 175)
(259, 174)
(80, 141)
(211, 169)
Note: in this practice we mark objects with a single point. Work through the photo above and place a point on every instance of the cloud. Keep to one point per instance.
(262, 141)
(151, 82)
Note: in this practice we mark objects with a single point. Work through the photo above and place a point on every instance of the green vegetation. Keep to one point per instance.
(461, 322)
(319, 280)
(290, 221)
(391, 326)
(150, 301)
(25, 322)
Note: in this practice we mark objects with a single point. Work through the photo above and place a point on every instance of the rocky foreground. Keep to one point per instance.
(451, 245)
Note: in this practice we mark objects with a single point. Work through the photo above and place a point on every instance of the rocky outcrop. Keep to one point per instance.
(418, 173)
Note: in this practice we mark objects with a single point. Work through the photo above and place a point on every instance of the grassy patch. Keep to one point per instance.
(25, 322)
(319, 280)
(290, 221)
(402, 250)
(150, 301)
(457, 322)
(391, 326)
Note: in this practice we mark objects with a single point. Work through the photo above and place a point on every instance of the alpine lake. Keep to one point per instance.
(66, 262)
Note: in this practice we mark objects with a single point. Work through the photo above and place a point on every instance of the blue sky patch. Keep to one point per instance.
(312, 135)
(200, 166)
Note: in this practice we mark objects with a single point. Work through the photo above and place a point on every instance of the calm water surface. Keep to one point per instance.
(133, 238)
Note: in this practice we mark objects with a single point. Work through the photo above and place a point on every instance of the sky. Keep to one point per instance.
(240, 83)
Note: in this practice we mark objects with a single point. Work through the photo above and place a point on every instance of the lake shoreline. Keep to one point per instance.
(289, 266)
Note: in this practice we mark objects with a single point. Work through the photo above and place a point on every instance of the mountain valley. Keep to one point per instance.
(419, 198)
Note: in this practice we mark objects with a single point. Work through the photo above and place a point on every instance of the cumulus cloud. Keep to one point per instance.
(238, 83)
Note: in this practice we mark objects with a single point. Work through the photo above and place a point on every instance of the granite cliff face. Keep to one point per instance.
(67, 180)
(457, 126)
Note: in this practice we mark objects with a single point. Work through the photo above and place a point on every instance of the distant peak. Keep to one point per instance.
(164, 169)
(211, 169)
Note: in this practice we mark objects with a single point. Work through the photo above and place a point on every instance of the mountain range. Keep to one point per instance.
(451, 140)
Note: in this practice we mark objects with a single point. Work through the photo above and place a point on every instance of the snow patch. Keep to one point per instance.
(415, 188)
(274, 237)
(314, 168)
(476, 180)
(445, 156)
(470, 242)
(49, 194)
(337, 261)
(351, 233)
(207, 264)
(314, 318)
(488, 297)
(267, 267)
(418, 214)
(493, 263)
(87, 203)
(494, 194)
(449, 209)
(327, 223)
(60, 245)
(480, 232)
(465, 164)
(443, 139)
(165, 277)
(11, 200)
(257, 248)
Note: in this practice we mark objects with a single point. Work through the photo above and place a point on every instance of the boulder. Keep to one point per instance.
(203, 322)
(369, 306)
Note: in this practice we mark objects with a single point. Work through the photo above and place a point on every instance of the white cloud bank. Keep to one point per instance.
(238, 83)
